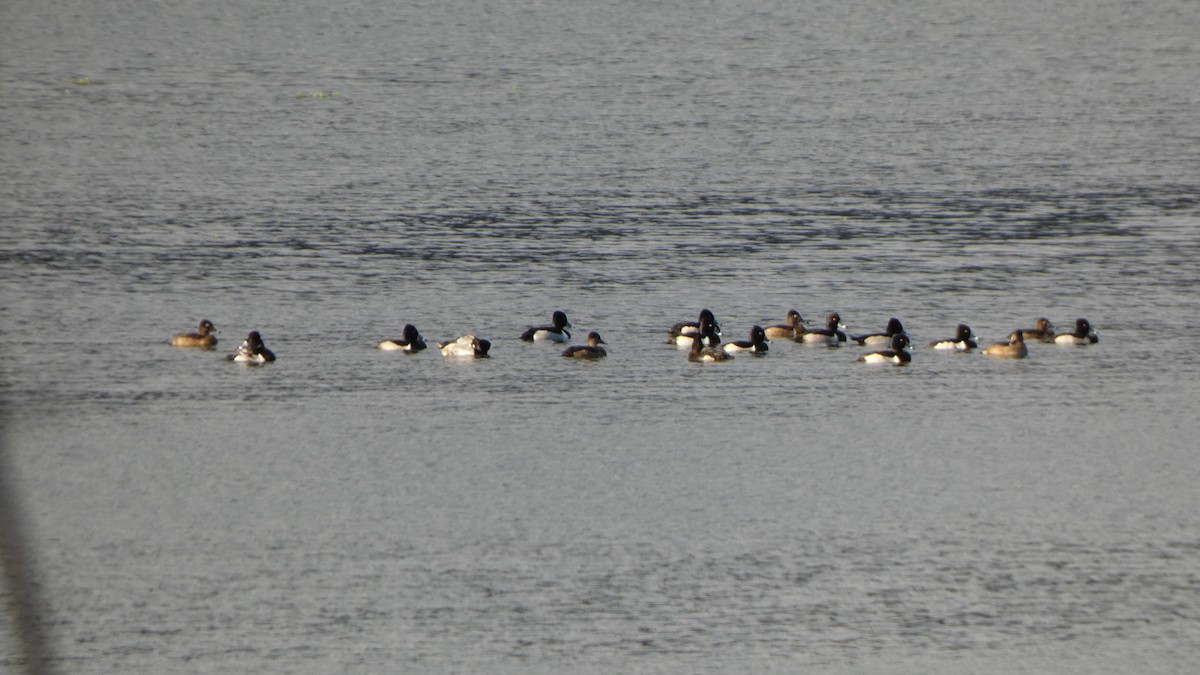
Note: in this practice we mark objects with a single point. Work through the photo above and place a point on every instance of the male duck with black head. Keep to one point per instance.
(203, 337)
(592, 350)
(681, 334)
(830, 335)
(252, 351)
(894, 327)
(896, 355)
(704, 349)
(963, 340)
(411, 341)
(1082, 335)
(556, 332)
(467, 346)
(757, 344)
(1013, 349)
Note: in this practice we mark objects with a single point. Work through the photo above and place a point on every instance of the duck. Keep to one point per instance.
(705, 353)
(203, 337)
(592, 350)
(466, 346)
(829, 335)
(894, 327)
(1082, 335)
(1042, 331)
(682, 334)
(786, 330)
(411, 342)
(556, 332)
(1013, 349)
(963, 340)
(757, 343)
(835, 319)
(252, 351)
(896, 355)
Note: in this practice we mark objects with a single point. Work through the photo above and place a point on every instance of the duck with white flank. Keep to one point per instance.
(467, 346)
(252, 352)
(894, 327)
(757, 344)
(1082, 335)
(681, 334)
(411, 342)
(896, 355)
(963, 340)
(556, 332)
(829, 335)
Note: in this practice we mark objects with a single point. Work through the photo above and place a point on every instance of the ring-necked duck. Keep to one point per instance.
(411, 342)
(699, 351)
(1082, 335)
(592, 350)
(203, 337)
(682, 334)
(1042, 331)
(829, 335)
(790, 329)
(466, 346)
(1013, 349)
(553, 333)
(963, 340)
(835, 319)
(896, 355)
(252, 351)
(757, 343)
(894, 327)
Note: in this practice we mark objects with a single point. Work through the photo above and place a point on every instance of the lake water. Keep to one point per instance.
(327, 173)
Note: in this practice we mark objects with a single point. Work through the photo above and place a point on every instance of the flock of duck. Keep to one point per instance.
(701, 338)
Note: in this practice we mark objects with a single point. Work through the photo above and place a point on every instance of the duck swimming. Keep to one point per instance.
(203, 337)
(963, 340)
(411, 342)
(592, 350)
(252, 351)
(467, 346)
(556, 332)
(896, 355)
(1013, 349)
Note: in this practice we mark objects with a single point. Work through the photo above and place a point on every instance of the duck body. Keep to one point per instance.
(467, 346)
(829, 335)
(592, 350)
(704, 348)
(1082, 335)
(252, 351)
(896, 355)
(1042, 331)
(963, 340)
(411, 342)
(757, 344)
(791, 329)
(884, 339)
(203, 337)
(556, 332)
(1013, 349)
(682, 334)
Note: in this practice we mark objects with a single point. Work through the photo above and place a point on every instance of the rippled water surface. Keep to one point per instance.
(326, 174)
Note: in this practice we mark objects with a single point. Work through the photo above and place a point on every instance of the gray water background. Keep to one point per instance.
(326, 173)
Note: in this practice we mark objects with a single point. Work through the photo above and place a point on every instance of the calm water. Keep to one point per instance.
(325, 174)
